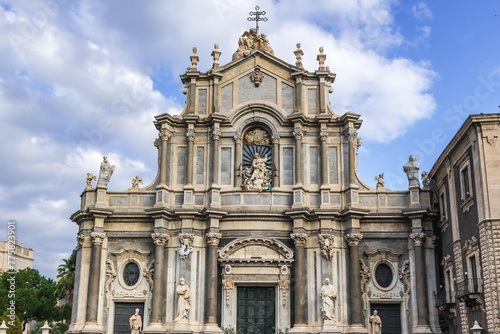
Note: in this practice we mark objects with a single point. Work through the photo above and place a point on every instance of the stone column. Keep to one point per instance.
(189, 166)
(298, 134)
(323, 136)
(276, 161)
(353, 240)
(215, 162)
(94, 277)
(238, 158)
(421, 279)
(164, 135)
(160, 240)
(300, 279)
(211, 279)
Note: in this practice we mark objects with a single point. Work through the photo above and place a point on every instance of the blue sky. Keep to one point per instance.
(82, 78)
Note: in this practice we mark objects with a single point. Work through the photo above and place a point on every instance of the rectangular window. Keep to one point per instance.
(200, 164)
(442, 206)
(202, 102)
(181, 165)
(225, 166)
(474, 283)
(287, 174)
(465, 183)
(448, 287)
(314, 165)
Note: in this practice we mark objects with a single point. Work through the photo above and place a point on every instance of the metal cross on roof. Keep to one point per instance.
(257, 17)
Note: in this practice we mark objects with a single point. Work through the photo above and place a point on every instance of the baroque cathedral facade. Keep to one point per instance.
(257, 220)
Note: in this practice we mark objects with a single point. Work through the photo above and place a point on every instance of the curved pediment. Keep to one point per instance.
(256, 248)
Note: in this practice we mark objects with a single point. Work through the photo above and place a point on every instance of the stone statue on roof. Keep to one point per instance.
(250, 40)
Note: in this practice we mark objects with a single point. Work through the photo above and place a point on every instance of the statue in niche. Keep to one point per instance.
(328, 298)
(375, 323)
(257, 177)
(183, 300)
(411, 169)
(105, 172)
(135, 323)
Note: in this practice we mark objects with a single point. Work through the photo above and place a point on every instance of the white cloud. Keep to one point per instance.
(421, 11)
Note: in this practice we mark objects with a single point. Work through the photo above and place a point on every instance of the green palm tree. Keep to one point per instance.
(66, 275)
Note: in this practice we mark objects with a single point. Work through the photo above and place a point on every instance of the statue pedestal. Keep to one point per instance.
(181, 326)
(329, 326)
(154, 328)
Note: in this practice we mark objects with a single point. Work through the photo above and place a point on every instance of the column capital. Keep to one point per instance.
(190, 136)
(350, 134)
(323, 136)
(80, 239)
(353, 239)
(238, 139)
(299, 239)
(186, 238)
(298, 134)
(97, 238)
(165, 134)
(215, 134)
(418, 238)
(275, 139)
(213, 238)
(160, 239)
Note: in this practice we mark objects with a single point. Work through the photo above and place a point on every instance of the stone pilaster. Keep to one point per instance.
(323, 136)
(238, 139)
(160, 240)
(300, 240)
(276, 161)
(211, 279)
(353, 240)
(94, 277)
(459, 271)
(420, 278)
(351, 136)
(298, 134)
(189, 166)
(164, 135)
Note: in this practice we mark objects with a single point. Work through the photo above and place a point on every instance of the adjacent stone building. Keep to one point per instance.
(20, 257)
(257, 202)
(466, 179)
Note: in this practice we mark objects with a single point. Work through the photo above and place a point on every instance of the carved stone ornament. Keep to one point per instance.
(353, 239)
(228, 285)
(418, 238)
(235, 245)
(80, 239)
(160, 238)
(105, 172)
(350, 134)
(90, 177)
(190, 136)
(108, 285)
(298, 56)
(326, 243)
(238, 139)
(257, 137)
(404, 273)
(299, 239)
(257, 176)
(185, 248)
(148, 273)
(157, 143)
(470, 245)
(275, 139)
(426, 180)
(365, 274)
(298, 134)
(383, 254)
(135, 182)
(97, 238)
(284, 286)
(213, 238)
(323, 136)
(249, 41)
(131, 253)
(165, 134)
(215, 134)
(257, 77)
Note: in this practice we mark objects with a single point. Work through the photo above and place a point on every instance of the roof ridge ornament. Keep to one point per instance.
(257, 17)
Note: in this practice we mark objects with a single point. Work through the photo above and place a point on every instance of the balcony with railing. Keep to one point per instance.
(445, 303)
(470, 291)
